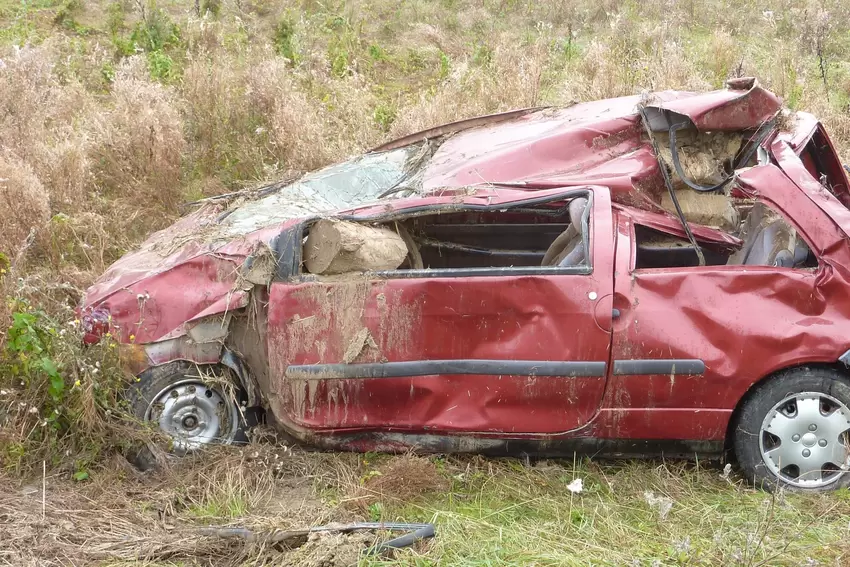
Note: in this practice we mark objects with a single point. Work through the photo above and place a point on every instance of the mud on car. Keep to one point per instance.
(666, 274)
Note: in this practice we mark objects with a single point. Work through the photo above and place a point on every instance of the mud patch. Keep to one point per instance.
(705, 156)
(329, 550)
(710, 209)
(329, 314)
(398, 320)
(344, 322)
(261, 270)
(361, 340)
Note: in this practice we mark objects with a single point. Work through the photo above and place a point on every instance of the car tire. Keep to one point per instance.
(793, 429)
(192, 404)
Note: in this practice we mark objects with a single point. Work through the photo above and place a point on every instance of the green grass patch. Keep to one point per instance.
(645, 513)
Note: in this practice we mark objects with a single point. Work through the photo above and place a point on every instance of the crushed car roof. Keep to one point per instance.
(595, 143)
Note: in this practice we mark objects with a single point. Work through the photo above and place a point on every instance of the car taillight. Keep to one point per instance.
(94, 324)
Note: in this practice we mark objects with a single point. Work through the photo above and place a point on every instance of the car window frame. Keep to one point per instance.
(726, 267)
(294, 251)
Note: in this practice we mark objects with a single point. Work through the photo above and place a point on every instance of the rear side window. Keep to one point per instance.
(768, 240)
(656, 249)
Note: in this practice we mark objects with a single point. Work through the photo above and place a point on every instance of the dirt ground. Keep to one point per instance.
(120, 515)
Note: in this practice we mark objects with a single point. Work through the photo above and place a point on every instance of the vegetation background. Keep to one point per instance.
(112, 114)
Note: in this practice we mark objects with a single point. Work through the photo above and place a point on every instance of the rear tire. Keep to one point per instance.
(195, 405)
(793, 431)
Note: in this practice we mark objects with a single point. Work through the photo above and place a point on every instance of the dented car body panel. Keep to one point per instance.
(608, 351)
(499, 346)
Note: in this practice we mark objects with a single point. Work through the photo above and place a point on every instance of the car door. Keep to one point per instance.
(507, 350)
(690, 341)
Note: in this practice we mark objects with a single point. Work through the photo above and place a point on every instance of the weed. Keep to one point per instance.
(377, 53)
(284, 35)
(384, 116)
(212, 7)
(162, 67)
(155, 31)
(57, 396)
(338, 56)
(28, 348)
(482, 54)
(65, 15)
(445, 66)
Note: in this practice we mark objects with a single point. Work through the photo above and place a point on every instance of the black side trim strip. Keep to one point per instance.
(680, 366)
(434, 367)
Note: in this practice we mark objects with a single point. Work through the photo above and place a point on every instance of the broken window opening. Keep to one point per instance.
(769, 240)
(821, 162)
(543, 237)
(657, 249)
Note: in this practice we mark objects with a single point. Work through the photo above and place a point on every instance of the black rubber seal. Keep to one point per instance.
(676, 366)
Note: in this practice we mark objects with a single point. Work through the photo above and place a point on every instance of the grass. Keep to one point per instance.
(112, 113)
(490, 512)
(508, 513)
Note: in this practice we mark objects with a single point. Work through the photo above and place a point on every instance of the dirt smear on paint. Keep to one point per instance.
(343, 322)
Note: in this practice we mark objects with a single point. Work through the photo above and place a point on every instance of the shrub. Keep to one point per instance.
(155, 31)
(284, 34)
(56, 397)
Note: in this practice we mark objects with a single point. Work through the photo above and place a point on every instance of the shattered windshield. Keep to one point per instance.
(359, 181)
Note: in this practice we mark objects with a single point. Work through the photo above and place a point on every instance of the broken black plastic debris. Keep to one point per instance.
(419, 531)
(416, 532)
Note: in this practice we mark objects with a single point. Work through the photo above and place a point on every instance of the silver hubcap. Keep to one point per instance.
(804, 439)
(194, 414)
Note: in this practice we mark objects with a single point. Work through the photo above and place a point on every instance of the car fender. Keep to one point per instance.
(203, 343)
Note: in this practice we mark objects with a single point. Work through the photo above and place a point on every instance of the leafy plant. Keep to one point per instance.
(161, 66)
(65, 16)
(482, 55)
(339, 56)
(28, 347)
(58, 394)
(284, 33)
(155, 31)
(385, 115)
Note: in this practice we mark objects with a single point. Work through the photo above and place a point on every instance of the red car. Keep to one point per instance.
(643, 275)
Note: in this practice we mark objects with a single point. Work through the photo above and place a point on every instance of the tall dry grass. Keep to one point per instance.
(113, 113)
(92, 130)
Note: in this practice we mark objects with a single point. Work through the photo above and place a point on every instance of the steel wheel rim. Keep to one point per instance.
(804, 440)
(194, 414)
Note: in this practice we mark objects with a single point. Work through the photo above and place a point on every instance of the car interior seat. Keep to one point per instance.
(568, 248)
(768, 241)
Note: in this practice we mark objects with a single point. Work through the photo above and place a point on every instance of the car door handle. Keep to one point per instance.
(615, 313)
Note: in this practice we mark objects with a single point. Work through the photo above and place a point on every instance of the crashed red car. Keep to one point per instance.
(666, 274)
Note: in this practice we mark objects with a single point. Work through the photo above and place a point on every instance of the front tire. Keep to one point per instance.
(794, 431)
(195, 405)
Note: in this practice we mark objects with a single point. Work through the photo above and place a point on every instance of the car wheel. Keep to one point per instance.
(793, 431)
(194, 405)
